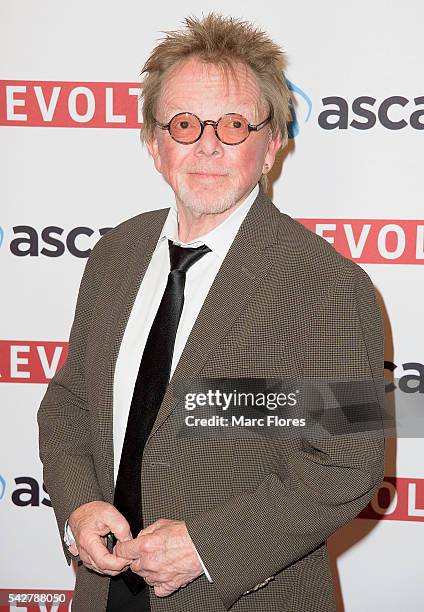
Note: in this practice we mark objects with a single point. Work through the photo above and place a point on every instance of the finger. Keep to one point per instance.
(150, 581)
(122, 532)
(103, 559)
(119, 552)
(118, 525)
(133, 549)
(161, 590)
(101, 571)
(128, 550)
(93, 567)
(138, 567)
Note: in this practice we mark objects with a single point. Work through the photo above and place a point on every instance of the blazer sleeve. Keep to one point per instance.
(65, 444)
(327, 480)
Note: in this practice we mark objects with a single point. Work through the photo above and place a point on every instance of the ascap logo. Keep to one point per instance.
(2, 487)
(293, 127)
(54, 241)
(27, 493)
(364, 112)
(413, 382)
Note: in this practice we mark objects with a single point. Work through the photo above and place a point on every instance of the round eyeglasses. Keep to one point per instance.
(230, 129)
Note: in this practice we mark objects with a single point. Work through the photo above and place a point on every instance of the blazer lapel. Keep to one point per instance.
(131, 271)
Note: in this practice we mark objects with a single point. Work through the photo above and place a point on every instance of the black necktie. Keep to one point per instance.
(149, 390)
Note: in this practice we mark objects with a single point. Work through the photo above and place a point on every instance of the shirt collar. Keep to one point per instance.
(220, 238)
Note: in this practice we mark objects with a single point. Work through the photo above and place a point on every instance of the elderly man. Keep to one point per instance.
(221, 285)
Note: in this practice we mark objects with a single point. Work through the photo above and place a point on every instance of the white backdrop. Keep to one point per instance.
(71, 158)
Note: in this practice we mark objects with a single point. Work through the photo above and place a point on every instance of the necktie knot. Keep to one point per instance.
(181, 258)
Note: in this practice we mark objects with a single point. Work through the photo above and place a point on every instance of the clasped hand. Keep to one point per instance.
(162, 553)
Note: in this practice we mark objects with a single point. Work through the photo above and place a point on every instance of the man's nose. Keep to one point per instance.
(209, 143)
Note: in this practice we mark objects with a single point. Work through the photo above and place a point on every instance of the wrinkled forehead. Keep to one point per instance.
(198, 86)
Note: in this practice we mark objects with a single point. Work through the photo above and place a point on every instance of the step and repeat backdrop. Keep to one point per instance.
(72, 167)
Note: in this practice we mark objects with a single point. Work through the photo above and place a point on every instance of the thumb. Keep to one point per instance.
(121, 530)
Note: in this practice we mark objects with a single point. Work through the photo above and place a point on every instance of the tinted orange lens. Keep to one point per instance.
(233, 128)
(185, 127)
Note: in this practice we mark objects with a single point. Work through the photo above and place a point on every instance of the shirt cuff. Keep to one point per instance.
(68, 536)
(204, 568)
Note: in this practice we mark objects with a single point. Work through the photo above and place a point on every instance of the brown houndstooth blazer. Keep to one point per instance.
(259, 510)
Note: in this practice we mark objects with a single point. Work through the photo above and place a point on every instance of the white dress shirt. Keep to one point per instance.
(199, 278)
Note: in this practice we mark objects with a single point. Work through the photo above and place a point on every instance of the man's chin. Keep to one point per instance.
(201, 207)
(208, 199)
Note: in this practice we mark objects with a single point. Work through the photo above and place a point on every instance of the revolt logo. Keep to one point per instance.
(31, 361)
(397, 499)
(69, 104)
(373, 241)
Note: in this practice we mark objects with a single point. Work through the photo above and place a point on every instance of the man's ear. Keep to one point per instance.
(273, 147)
(153, 148)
